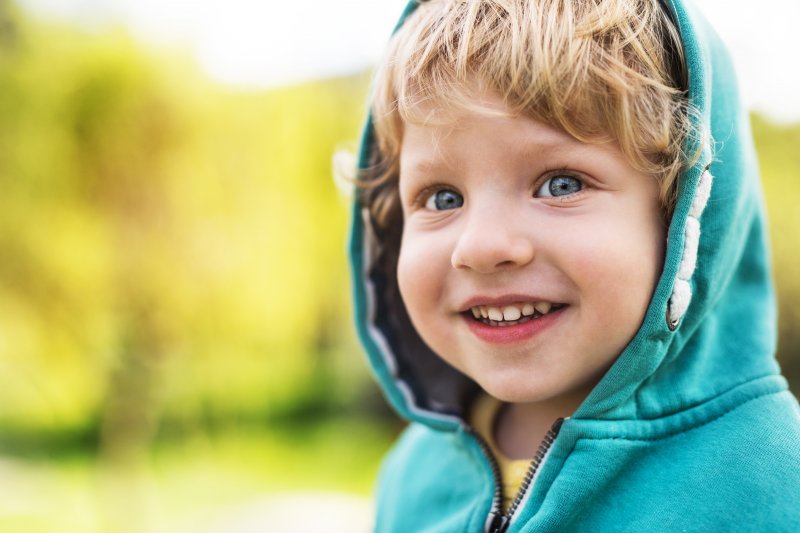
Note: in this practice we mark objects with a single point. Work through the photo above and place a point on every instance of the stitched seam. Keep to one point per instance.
(685, 430)
(714, 395)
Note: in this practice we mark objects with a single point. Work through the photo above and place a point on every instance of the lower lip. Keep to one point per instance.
(515, 333)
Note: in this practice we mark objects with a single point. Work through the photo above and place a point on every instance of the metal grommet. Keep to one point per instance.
(672, 324)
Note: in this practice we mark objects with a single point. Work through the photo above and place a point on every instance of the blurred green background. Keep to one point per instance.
(176, 349)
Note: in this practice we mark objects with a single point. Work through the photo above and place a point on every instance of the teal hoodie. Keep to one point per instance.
(692, 429)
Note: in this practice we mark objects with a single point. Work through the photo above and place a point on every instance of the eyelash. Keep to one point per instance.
(421, 198)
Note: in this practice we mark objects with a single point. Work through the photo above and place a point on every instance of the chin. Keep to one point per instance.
(510, 393)
(531, 392)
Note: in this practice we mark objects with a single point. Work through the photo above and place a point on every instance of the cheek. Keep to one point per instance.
(415, 277)
(422, 271)
(405, 273)
(617, 264)
(404, 277)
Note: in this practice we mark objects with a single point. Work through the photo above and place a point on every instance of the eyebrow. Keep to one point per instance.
(550, 147)
(426, 166)
(557, 150)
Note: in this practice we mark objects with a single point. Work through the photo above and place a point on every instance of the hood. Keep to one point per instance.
(711, 323)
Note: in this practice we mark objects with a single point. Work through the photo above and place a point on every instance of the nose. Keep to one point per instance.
(492, 240)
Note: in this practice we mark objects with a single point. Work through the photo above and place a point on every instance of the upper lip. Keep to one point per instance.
(503, 300)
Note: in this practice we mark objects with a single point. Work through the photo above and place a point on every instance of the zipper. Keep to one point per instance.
(497, 521)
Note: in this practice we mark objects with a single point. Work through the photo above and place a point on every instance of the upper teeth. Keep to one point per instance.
(510, 312)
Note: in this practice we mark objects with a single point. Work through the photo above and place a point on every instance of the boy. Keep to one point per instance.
(579, 340)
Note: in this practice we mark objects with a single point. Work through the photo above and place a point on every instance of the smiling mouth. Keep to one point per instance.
(513, 314)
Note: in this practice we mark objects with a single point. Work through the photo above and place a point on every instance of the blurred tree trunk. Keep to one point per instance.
(123, 130)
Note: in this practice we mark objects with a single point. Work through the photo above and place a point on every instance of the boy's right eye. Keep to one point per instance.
(444, 199)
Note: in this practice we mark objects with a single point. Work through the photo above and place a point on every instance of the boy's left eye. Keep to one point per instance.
(560, 185)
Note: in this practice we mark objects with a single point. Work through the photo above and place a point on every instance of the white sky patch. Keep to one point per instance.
(764, 41)
(259, 43)
(263, 43)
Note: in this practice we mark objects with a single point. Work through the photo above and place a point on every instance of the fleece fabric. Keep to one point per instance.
(692, 429)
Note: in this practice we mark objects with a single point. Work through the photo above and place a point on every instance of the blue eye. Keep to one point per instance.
(561, 185)
(444, 199)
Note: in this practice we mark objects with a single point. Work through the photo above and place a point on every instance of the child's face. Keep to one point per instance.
(509, 215)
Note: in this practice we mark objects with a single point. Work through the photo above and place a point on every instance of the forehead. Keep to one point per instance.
(464, 136)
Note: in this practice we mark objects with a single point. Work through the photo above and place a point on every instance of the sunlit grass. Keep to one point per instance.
(206, 480)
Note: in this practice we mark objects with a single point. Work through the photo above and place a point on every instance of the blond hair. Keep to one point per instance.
(599, 70)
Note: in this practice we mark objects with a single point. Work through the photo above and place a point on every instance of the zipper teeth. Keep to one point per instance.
(498, 521)
(544, 447)
(497, 502)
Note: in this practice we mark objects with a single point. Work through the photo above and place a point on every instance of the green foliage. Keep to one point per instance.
(172, 251)
(196, 484)
(780, 168)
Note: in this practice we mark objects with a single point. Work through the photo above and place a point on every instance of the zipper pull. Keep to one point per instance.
(556, 427)
(499, 523)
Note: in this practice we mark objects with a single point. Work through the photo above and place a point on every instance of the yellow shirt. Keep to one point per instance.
(512, 471)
